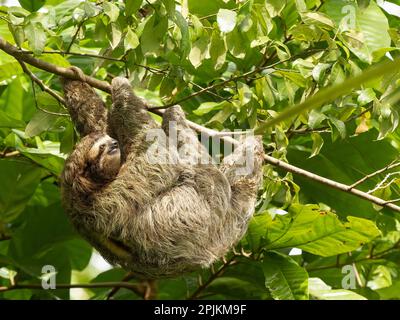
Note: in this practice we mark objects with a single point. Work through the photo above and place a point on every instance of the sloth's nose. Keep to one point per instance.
(113, 145)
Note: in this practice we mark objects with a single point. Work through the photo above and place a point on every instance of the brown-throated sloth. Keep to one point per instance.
(156, 219)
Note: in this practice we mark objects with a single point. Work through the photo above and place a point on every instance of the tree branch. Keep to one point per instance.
(61, 71)
(104, 86)
(376, 256)
(127, 285)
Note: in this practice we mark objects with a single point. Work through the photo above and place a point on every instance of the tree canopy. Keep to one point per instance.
(318, 79)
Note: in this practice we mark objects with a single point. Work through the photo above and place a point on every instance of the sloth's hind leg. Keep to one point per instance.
(180, 136)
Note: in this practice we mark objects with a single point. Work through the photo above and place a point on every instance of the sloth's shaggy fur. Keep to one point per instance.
(151, 218)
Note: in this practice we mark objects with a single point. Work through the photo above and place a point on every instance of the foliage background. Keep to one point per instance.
(250, 59)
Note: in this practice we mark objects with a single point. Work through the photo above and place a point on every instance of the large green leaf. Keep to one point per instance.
(8, 67)
(32, 5)
(365, 29)
(314, 230)
(8, 122)
(320, 291)
(19, 179)
(36, 36)
(285, 279)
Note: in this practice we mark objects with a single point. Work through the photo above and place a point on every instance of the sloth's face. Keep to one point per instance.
(104, 158)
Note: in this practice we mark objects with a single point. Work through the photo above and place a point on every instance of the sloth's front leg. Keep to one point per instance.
(87, 110)
(128, 118)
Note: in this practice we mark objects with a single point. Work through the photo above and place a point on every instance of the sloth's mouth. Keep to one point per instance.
(113, 151)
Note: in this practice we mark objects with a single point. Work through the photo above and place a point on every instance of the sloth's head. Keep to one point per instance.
(95, 161)
(103, 159)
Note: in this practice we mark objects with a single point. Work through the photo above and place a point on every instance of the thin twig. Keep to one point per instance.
(9, 154)
(393, 200)
(383, 184)
(41, 84)
(128, 276)
(377, 256)
(79, 26)
(392, 165)
(213, 276)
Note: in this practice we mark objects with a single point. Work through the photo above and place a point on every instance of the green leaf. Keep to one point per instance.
(364, 29)
(199, 51)
(365, 96)
(317, 18)
(217, 49)
(36, 36)
(111, 10)
(131, 40)
(132, 6)
(40, 122)
(285, 279)
(321, 291)
(9, 122)
(226, 20)
(185, 39)
(222, 116)
(19, 180)
(207, 107)
(153, 33)
(32, 5)
(318, 142)
(115, 35)
(339, 126)
(319, 232)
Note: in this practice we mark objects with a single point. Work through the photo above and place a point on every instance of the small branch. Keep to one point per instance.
(377, 256)
(41, 84)
(331, 183)
(79, 26)
(9, 154)
(5, 237)
(392, 165)
(214, 276)
(384, 184)
(393, 200)
(128, 276)
(49, 67)
(127, 285)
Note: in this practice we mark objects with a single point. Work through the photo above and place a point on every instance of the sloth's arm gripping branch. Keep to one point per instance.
(87, 109)
(128, 119)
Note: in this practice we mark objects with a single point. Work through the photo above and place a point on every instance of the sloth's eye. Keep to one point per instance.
(101, 148)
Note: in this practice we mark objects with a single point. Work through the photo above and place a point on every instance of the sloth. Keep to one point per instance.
(157, 219)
